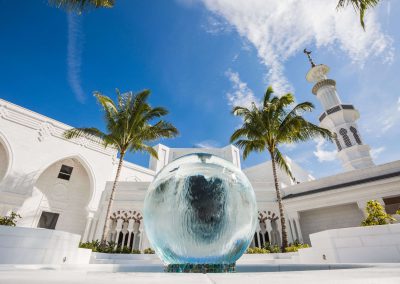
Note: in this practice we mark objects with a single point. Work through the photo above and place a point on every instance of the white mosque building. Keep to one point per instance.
(65, 185)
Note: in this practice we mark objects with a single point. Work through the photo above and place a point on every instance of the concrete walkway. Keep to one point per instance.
(25, 274)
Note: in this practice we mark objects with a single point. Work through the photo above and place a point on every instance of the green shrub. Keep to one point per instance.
(10, 220)
(93, 245)
(296, 246)
(272, 248)
(109, 247)
(257, 250)
(376, 215)
(149, 251)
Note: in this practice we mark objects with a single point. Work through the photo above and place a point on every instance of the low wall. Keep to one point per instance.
(373, 244)
(19, 245)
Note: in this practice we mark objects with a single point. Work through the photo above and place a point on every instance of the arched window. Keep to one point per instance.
(355, 134)
(337, 142)
(346, 138)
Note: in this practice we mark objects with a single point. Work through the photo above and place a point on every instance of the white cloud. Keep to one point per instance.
(398, 103)
(289, 147)
(281, 29)
(375, 152)
(74, 56)
(207, 144)
(241, 94)
(321, 153)
(389, 117)
(216, 26)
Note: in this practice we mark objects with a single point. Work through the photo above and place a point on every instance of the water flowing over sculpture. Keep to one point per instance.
(200, 214)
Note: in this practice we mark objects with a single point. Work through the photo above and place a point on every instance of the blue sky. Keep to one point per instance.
(199, 58)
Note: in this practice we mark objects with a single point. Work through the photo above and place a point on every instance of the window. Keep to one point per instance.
(337, 142)
(355, 134)
(48, 220)
(346, 138)
(65, 172)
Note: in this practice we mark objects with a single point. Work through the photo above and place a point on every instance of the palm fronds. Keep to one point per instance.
(80, 6)
(359, 5)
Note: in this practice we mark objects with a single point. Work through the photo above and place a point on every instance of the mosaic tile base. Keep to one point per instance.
(200, 268)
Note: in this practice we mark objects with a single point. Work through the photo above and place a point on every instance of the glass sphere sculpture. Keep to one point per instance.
(200, 209)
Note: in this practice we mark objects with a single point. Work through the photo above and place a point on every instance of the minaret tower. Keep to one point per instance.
(339, 118)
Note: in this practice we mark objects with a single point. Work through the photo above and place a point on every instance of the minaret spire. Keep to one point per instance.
(339, 118)
(308, 53)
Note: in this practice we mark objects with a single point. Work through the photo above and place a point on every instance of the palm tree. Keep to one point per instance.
(81, 5)
(273, 123)
(129, 129)
(359, 5)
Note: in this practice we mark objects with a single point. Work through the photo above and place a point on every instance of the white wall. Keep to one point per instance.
(40, 246)
(373, 244)
(262, 173)
(36, 142)
(167, 155)
(129, 197)
(133, 172)
(334, 217)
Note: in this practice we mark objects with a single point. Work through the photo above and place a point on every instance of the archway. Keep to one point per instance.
(5, 159)
(60, 197)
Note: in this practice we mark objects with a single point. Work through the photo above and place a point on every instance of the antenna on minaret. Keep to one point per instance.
(308, 53)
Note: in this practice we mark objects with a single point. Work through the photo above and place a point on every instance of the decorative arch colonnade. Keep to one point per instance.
(267, 230)
(126, 229)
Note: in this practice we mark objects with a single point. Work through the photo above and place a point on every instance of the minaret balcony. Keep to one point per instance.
(335, 109)
(322, 83)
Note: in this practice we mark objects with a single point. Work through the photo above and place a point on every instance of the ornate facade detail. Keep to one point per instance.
(322, 83)
(267, 231)
(2, 111)
(45, 131)
(355, 134)
(47, 127)
(127, 215)
(345, 137)
(126, 231)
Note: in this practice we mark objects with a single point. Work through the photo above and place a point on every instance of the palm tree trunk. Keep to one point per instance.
(280, 205)
(106, 227)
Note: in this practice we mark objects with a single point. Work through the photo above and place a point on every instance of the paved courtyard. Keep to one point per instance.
(381, 274)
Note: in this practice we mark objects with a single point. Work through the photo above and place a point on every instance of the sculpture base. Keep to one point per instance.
(200, 268)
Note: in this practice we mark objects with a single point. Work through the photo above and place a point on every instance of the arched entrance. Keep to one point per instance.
(4, 159)
(60, 196)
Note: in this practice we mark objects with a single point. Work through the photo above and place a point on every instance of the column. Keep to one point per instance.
(136, 239)
(109, 225)
(296, 221)
(92, 231)
(89, 220)
(130, 230)
(269, 230)
(118, 229)
(292, 231)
